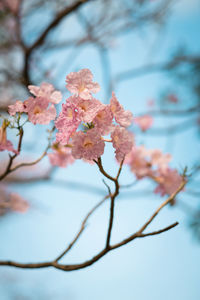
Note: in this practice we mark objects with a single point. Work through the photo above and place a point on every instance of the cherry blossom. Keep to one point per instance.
(139, 162)
(122, 141)
(18, 107)
(87, 145)
(81, 83)
(67, 122)
(61, 156)
(103, 120)
(88, 109)
(39, 111)
(169, 181)
(144, 122)
(122, 117)
(47, 91)
(159, 159)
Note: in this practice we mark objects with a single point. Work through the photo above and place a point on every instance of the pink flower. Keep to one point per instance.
(144, 122)
(122, 117)
(47, 91)
(169, 181)
(39, 111)
(61, 156)
(122, 141)
(67, 121)
(88, 109)
(87, 145)
(80, 83)
(4, 143)
(103, 120)
(139, 163)
(17, 203)
(159, 159)
(18, 107)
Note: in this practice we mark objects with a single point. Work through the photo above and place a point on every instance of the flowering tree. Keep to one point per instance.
(43, 41)
(83, 127)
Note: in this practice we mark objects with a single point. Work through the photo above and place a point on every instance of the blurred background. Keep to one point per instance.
(148, 52)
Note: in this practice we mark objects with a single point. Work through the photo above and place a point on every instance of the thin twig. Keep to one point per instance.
(83, 225)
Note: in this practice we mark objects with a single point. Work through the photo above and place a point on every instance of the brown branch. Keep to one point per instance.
(12, 157)
(10, 170)
(140, 231)
(83, 225)
(103, 252)
(108, 247)
(28, 51)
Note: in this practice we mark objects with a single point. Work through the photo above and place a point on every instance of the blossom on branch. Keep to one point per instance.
(169, 181)
(139, 162)
(104, 120)
(87, 145)
(122, 117)
(39, 111)
(61, 156)
(18, 107)
(122, 141)
(47, 91)
(81, 84)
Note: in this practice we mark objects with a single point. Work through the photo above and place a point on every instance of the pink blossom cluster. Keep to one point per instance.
(40, 108)
(83, 111)
(155, 165)
(85, 124)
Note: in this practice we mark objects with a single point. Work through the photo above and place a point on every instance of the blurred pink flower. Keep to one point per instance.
(81, 83)
(144, 122)
(169, 181)
(61, 156)
(47, 91)
(159, 159)
(173, 98)
(87, 145)
(122, 117)
(17, 203)
(122, 141)
(139, 163)
(11, 202)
